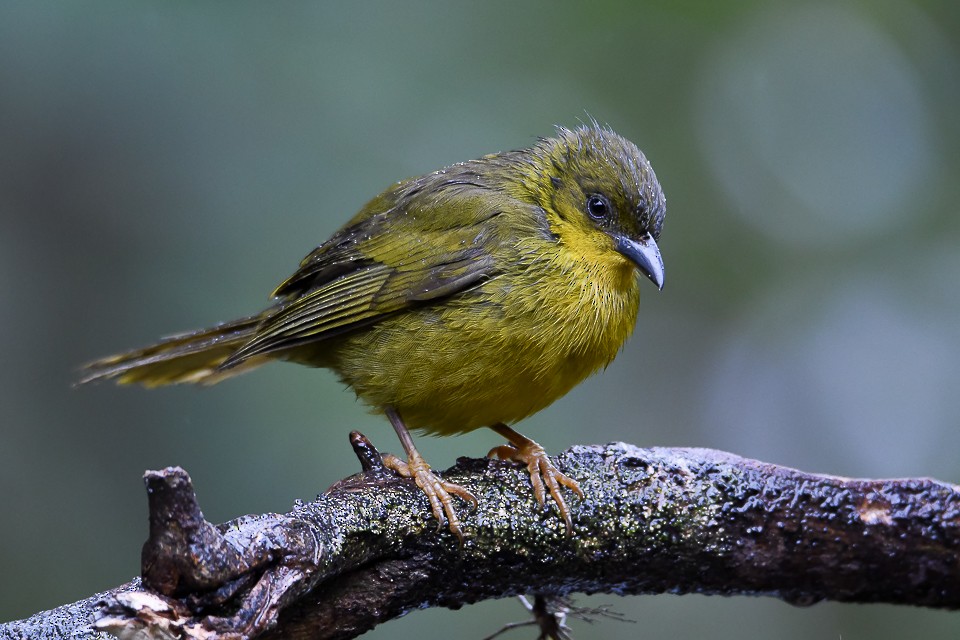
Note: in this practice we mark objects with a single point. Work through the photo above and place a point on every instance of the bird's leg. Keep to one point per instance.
(543, 475)
(437, 491)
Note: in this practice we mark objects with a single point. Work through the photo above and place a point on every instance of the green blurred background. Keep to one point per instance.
(164, 165)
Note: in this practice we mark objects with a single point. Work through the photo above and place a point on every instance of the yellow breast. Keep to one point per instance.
(503, 352)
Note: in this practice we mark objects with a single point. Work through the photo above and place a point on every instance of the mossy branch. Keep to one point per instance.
(653, 521)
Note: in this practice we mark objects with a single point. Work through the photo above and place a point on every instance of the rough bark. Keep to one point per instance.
(653, 521)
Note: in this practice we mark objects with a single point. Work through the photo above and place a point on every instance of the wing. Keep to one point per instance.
(410, 246)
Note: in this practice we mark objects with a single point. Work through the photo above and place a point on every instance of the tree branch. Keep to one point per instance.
(653, 521)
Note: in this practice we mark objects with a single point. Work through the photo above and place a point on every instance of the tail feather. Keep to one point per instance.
(192, 357)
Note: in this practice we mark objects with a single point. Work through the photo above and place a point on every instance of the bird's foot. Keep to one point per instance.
(544, 476)
(439, 492)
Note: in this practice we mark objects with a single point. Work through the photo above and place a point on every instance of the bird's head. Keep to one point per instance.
(600, 191)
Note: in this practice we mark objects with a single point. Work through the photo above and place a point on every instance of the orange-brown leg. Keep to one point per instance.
(437, 491)
(543, 475)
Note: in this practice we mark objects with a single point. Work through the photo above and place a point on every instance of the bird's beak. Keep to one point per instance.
(645, 254)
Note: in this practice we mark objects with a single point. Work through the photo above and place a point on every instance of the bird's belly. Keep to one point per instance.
(454, 368)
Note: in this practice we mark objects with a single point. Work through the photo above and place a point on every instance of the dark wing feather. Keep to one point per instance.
(380, 264)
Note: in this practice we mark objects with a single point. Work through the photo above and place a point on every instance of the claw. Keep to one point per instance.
(439, 492)
(544, 476)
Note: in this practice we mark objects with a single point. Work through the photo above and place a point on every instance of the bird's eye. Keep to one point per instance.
(598, 207)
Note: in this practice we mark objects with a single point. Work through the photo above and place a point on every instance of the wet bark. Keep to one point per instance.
(653, 521)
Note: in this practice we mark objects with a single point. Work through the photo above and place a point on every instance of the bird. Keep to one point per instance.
(470, 297)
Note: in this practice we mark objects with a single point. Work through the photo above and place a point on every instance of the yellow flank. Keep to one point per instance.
(512, 347)
(471, 296)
